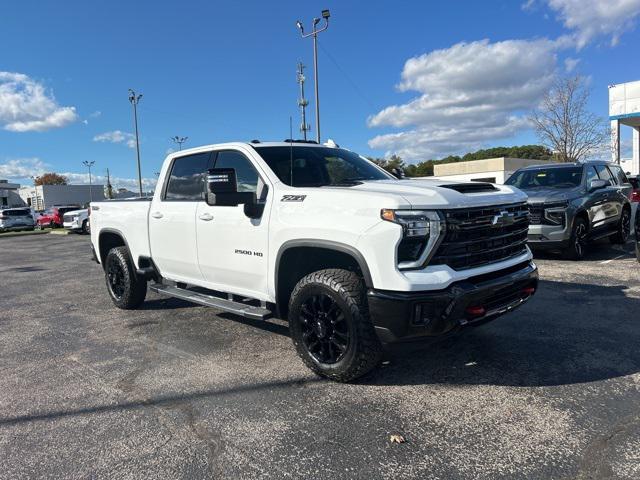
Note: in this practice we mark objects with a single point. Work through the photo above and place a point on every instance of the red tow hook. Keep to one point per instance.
(475, 311)
(529, 290)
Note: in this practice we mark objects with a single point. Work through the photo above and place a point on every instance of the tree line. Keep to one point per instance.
(425, 168)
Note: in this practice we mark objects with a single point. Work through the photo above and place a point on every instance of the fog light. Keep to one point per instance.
(476, 311)
(421, 316)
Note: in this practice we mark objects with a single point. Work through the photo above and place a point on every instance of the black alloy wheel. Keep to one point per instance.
(116, 277)
(325, 330)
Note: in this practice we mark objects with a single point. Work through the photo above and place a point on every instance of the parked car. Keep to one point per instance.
(53, 217)
(77, 220)
(15, 219)
(352, 256)
(572, 204)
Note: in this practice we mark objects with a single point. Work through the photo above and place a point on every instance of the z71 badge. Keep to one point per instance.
(293, 198)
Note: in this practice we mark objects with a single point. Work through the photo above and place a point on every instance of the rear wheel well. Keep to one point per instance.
(107, 241)
(297, 262)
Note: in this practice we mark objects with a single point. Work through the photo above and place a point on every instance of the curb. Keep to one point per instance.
(23, 234)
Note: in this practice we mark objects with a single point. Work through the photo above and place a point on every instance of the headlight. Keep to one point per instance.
(554, 213)
(421, 230)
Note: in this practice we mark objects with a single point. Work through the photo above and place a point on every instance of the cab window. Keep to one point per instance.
(246, 175)
(187, 178)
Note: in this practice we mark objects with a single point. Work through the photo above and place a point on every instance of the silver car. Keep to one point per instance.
(16, 219)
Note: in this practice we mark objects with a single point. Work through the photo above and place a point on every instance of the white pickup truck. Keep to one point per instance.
(350, 255)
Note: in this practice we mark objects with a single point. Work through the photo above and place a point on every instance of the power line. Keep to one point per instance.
(348, 78)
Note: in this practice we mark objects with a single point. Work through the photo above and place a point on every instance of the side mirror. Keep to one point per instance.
(398, 173)
(598, 184)
(222, 191)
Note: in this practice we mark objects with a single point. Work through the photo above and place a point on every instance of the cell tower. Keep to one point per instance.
(302, 102)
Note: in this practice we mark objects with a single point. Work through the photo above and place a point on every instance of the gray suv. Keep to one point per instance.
(571, 204)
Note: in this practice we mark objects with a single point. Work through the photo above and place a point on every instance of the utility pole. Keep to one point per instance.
(302, 102)
(109, 186)
(314, 33)
(89, 164)
(134, 99)
(179, 141)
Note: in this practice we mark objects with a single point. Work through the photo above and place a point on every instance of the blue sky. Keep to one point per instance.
(422, 79)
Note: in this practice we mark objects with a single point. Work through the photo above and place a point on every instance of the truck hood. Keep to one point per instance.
(550, 194)
(434, 193)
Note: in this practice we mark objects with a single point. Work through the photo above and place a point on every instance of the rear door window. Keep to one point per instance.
(619, 174)
(603, 173)
(187, 178)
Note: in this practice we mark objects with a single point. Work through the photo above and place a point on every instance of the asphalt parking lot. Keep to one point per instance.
(176, 391)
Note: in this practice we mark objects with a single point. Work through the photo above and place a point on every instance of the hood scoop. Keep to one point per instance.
(472, 187)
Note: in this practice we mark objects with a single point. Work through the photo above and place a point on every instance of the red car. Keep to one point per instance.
(52, 217)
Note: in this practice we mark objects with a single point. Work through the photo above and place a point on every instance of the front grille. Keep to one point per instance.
(67, 218)
(536, 213)
(476, 237)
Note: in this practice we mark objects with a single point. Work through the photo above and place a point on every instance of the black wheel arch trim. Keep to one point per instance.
(117, 232)
(327, 245)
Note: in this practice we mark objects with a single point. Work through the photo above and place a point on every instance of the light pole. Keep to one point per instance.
(179, 141)
(89, 164)
(134, 99)
(314, 33)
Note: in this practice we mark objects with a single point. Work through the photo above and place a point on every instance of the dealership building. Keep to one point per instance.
(9, 194)
(44, 196)
(493, 170)
(624, 111)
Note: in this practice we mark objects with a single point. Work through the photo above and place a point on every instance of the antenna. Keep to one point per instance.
(290, 150)
(302, 102)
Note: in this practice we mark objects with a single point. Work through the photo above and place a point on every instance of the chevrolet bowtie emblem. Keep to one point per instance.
(503, 219)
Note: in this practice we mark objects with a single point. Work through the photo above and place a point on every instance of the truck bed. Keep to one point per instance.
(129, 217)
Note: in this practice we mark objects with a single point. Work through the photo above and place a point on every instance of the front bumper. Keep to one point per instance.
(16, 227)
(406, 315)
(548, 235)
(75, 225)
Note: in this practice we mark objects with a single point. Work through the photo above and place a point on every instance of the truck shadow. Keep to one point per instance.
(599, 250)
(569, 333)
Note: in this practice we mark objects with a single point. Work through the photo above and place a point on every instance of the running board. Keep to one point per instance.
(238, 308)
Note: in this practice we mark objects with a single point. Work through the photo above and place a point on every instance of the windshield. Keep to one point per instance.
(558, 177)
(319, 166)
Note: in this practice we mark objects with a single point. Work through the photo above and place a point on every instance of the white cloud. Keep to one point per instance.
(25, 105)
(117, 136)
(22, 168)
(589, 19)
(470, 93)
(570, 64)
(116, 182)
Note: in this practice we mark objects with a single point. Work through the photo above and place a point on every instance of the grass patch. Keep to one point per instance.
(28, 232)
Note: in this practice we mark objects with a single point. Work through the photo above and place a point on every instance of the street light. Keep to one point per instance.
(179, 141)
(314, 33)
(134, 99)
(89, 164)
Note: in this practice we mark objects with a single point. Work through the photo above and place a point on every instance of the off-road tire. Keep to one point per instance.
(623, 230)
(130, 293)
(346, 289)
(578, 243)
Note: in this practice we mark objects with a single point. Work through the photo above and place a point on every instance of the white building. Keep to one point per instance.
(45, 196)
(624, 109)
(9, 194)
(492, 170)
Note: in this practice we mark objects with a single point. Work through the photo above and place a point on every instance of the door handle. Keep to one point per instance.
(156, 215)
(205, 216)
